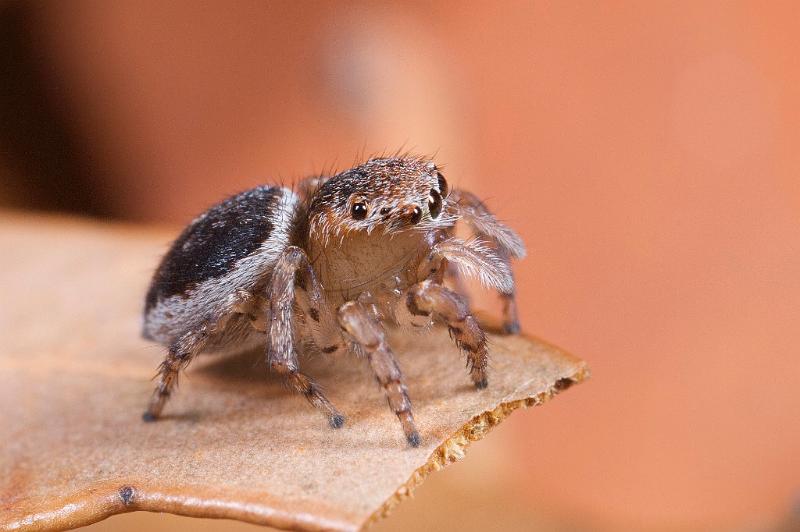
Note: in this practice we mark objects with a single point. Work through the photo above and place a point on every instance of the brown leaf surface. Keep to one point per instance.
(75, 376)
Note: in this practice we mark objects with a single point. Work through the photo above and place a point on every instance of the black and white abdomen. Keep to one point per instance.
(225, 253)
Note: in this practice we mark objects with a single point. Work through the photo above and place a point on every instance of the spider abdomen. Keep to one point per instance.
(229, 249)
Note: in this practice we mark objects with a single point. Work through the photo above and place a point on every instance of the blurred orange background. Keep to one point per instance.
(648, 153)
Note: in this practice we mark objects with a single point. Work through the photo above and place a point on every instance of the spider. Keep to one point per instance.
(330, 265)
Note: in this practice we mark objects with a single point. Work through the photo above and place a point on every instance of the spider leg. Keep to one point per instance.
(356, 320)
(429, 298)
(510, 315)
(506, 241)
(180, 353)
(281, 353)
(484, 224)
(317, 317)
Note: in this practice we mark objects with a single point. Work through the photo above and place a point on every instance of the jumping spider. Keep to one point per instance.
(327, 265)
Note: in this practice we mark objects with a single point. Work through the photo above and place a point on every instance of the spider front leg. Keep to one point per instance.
(505, 240)
(429, 298)
(281, 353)
(364, 329)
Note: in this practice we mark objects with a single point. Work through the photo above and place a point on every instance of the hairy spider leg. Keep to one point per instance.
(506, 241)
(369, 336)
(428, 298)
(179, 354)
(281, 353)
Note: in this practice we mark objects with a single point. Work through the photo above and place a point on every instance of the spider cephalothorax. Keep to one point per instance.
(389, 195)
(331, 268)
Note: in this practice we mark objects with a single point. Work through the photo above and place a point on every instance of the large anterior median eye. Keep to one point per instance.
(435, 203)
(359, 210)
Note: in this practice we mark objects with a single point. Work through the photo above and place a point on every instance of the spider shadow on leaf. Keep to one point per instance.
(250, 367)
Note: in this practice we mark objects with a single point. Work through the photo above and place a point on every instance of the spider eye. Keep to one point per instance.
(435, 203)
(442, 184)
(359, 210)
(416, 214)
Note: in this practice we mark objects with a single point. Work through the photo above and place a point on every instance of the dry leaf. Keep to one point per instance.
(75, 377)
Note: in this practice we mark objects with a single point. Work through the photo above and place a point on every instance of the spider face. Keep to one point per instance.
(387, 195)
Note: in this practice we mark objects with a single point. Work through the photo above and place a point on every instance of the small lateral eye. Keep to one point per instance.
(359, 210)
(435, 203)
